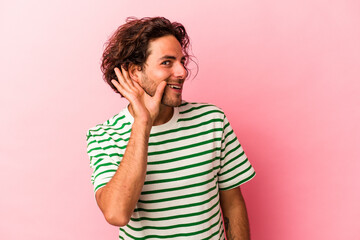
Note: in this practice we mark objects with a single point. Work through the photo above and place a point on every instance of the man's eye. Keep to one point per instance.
(165, 63)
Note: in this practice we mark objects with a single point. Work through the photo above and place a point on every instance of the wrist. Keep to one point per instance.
(142, 123)
(144, 119)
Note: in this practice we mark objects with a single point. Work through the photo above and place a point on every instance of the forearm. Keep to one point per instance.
(118, 198)
(235, 215)
(237, 224)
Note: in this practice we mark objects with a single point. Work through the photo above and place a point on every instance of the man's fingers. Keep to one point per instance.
(118, 73)
(121, 77)
(121, 89)
(126, 76)
(117, 85)
(127, 87)
(160, 91)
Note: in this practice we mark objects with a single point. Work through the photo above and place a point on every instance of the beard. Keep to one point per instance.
(170, 101)
(169, 98)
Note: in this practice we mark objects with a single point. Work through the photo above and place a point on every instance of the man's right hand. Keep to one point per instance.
(145, 107)
(118, 198)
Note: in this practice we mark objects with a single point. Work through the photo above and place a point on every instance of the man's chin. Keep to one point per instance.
(171, 103)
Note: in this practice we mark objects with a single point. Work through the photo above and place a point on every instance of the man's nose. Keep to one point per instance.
(180, 71)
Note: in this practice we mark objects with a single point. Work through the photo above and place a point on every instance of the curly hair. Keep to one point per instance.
(129, 44)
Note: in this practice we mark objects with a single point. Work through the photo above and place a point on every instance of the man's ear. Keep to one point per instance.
(134, 72)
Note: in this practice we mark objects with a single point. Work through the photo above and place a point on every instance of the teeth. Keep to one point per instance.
(175, 86)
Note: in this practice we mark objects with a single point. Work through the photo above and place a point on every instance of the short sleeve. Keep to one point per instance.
(104, 166)
(235, 166)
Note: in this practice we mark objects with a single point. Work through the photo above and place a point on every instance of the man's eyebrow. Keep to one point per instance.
(171, 57)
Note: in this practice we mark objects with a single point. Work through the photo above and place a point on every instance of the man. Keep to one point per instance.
(163, 167)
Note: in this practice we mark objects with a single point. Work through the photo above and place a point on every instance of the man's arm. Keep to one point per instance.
(235, 216)
(118, 198)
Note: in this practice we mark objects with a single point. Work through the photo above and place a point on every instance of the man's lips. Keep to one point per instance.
(175, 86)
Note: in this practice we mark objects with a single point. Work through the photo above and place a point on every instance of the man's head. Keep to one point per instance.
(140, 44)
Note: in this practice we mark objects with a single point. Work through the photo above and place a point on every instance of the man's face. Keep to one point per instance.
(165, 63)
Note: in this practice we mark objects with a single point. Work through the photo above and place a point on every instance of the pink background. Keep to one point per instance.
(285, 72)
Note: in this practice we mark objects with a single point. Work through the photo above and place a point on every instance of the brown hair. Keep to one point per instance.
(129, 44)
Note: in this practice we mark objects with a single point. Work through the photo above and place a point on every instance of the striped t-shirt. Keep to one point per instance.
(190, 158)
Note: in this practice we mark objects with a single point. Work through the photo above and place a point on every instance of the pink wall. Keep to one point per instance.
(285, 72)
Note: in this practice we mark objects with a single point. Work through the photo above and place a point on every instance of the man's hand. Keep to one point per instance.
(118, 198)
(146, 108)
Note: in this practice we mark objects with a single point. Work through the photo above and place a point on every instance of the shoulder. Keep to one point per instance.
(117, 122)
(187, 109)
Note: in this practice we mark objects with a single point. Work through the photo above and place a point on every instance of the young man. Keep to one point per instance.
(163, 167)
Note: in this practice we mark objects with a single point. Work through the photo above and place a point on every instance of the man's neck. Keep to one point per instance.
(165, 114)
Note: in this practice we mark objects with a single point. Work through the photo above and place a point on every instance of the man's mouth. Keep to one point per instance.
(173, 86)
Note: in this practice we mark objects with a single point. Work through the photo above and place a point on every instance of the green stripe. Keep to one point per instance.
(226, 125)
(118, 119)
(115, 129)
(227, 144)
(178, 188)
(175, 226)
(181, 178)
(115, 146)
(101, 155)
(187, 127)
(178, 197)
(91, 141)
(171, 236)
(161, 133)
(126, 140)
(222, 231)
(109, 155)
(228, 134)
(92, 149)
(233, 159)
(215, 233)
(175, 216)
(182, 168)
(160, 152)
(184, 147)
(184, 157)
(98, 161)
(103, 165)
(99, 186)
(239, 183)
(186, 137)
(232, 150)
(198, 116)
(107, 171)
(117, 140)
(195, 108)
(236, 175)
(233, 168)
(104, 127)
(153, 143)
(184, 104)
(116, 155)
(177, 207)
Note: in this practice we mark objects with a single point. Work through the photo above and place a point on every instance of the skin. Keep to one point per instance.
(152, 100)
(235, 215)
(165, 63)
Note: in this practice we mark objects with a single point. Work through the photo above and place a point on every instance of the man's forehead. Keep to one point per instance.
(165, 47)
